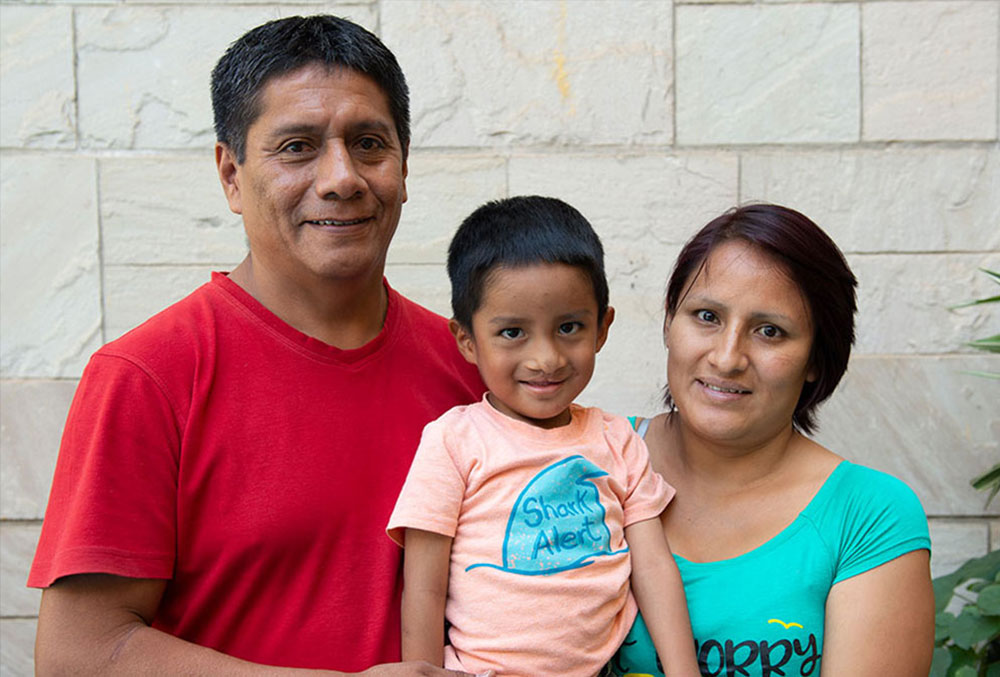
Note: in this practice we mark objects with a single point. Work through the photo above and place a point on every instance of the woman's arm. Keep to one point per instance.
(657, 586)
(425, 588)
(881, 623)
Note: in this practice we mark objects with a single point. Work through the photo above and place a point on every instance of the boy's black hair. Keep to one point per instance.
(520, 231)
(284, 45)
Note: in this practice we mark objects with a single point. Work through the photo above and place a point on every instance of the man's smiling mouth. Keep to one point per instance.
(334, 222)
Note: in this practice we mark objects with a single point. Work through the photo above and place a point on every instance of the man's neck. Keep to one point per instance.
(346, 314)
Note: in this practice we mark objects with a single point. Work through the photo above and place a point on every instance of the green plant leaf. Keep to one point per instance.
(981, 374)
(991, 476)
(990, 344)
(972, 628)
(940, 663)
(986, 568)
(975, 302)
(989, 600)
(942, 627)
(966, 671)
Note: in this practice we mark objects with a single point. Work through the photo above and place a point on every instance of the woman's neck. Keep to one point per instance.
(732, 466)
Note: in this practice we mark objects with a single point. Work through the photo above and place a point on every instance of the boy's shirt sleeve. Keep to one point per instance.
(648, 493)
(431, 497)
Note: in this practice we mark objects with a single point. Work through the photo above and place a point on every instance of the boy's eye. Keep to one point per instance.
(705, 315)
(569, 327)
(512, 332)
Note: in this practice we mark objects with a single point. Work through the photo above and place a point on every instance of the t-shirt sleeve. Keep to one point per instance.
(431, 497)
(113, 501)
(882, 519)
(648, 493)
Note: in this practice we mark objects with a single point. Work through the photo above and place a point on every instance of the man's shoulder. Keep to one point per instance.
(172, 329)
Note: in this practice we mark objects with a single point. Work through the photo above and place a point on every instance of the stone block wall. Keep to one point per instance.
(879, 119)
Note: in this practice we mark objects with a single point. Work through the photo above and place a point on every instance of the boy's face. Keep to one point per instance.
(534, 338)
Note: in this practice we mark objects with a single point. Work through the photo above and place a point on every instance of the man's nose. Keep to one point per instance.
(337, 177)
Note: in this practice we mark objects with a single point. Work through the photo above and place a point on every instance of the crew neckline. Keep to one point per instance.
(300, 341)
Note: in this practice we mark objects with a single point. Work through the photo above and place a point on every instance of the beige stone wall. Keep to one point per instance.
(878, 119)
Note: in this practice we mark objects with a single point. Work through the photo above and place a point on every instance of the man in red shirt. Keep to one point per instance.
(227, 468)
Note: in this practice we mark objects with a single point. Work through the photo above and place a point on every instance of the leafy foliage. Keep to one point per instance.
(968, 644)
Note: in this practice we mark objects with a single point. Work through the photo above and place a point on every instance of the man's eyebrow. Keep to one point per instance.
(306, 128)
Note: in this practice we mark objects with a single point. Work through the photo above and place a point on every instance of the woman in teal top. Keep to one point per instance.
(795, 561)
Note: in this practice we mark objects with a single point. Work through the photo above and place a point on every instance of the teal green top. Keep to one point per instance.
(761, 614)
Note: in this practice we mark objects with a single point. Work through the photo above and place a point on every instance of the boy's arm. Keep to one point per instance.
(426, 560)
(656, 584)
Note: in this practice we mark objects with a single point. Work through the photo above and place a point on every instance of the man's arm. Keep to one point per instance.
(657, 586)
(425, 589)
(97, 624)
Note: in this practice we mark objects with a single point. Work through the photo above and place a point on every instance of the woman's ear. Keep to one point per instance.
(464, 339)
(667, 319)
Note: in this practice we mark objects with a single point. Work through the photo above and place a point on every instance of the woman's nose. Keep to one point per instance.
(728, 355)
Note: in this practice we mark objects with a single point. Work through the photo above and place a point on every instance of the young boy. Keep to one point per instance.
(524, 515)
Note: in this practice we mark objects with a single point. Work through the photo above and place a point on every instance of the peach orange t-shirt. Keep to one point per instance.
(539, 576)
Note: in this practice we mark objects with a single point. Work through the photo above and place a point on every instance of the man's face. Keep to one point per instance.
(324, 178)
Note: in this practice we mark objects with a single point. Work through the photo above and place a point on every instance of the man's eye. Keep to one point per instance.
(370, 143)
(570, 327)
(705, 315)
(295, 147)
(511, 333)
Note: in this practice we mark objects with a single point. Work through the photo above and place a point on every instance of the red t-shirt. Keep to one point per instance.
(255, 468)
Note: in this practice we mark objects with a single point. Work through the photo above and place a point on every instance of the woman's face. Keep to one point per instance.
(739, 346)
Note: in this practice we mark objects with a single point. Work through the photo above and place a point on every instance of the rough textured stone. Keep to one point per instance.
(185, 220)
(904, 301)
(443, 190)
(133, 294)
(921, 419)
(141, 83)
(17, 647)
(50, 297)
(640, 205)
(425, 284)
(497, 73)
(894, 200)
(32, 415)
(17, 549)
(952, 543)
(767, 74)
(38, 89)
(930, 70)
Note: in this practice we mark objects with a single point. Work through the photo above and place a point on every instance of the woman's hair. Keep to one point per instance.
(818, 269)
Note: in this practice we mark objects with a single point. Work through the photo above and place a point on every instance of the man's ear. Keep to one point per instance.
(225, 163)
(406, 171)
(464, 339)
(602, 331)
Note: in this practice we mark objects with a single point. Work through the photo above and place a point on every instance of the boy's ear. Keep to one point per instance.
(602, 331)
(464, 340)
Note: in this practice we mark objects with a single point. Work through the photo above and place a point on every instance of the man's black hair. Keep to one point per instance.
(282, 46)
(520, 231)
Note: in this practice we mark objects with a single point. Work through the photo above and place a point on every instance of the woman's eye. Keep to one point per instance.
(569, 327)
(770, 331)
(705, 315)
(511, 333)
